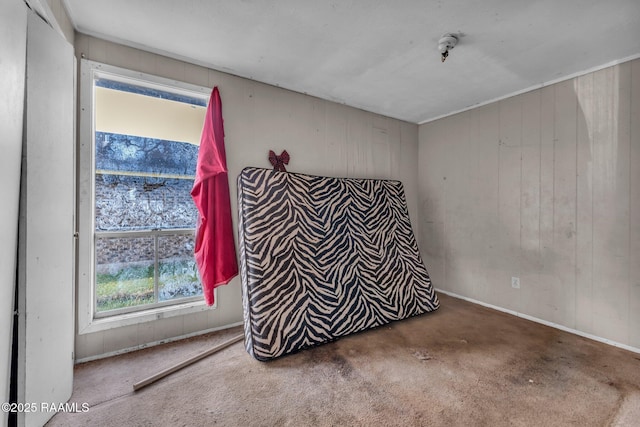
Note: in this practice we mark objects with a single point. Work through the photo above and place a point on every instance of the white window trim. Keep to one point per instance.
(87, 323)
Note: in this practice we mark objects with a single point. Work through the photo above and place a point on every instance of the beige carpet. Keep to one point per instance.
(463, 365)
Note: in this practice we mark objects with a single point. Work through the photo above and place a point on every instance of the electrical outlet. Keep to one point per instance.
(515, 282)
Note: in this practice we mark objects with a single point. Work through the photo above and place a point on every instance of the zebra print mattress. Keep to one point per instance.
(324, 257)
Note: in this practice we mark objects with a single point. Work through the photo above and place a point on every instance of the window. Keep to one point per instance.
(139, 148)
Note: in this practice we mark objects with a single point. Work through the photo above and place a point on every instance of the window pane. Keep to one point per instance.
(124, 272)
(125, 202)
(116, 152)
(143, 183)
(178, 277)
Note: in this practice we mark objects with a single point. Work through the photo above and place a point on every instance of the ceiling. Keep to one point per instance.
(379, 55)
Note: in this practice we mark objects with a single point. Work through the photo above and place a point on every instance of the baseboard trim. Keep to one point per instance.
(544, 322)
(154, 343)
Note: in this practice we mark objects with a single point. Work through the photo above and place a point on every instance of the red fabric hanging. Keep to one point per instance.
(215, 251)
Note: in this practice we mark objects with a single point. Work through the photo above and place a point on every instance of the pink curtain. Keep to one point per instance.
(215, 251)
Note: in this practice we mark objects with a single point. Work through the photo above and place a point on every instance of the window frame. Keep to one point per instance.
(88, 318)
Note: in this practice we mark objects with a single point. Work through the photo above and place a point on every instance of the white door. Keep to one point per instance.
(45, 248)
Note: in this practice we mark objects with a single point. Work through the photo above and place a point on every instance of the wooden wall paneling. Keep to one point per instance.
(610, 209)
(634, 208)
(548, 281)
(509, 185)
(530, 260)
(432, 195)
(584, 207)
(457, 214)
(564, 203)
(487, 141)
(336, 140)
(477, 212)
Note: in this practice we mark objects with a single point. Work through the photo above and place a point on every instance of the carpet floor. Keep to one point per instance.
(463, 365)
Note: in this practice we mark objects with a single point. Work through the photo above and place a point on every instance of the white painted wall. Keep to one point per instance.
(544, 186)
(13, 36)
(322, 138)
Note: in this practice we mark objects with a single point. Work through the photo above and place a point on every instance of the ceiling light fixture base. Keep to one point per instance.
(447, 42)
